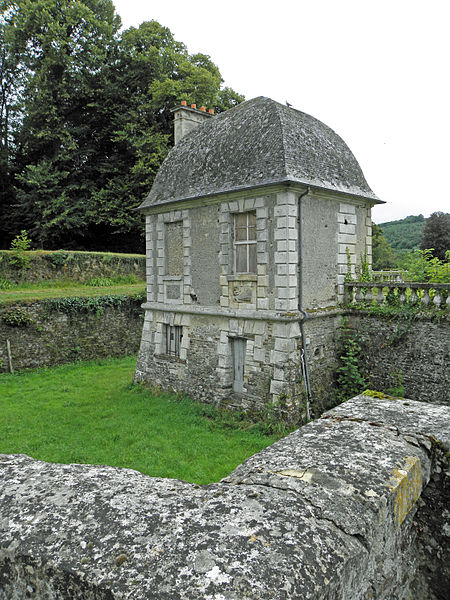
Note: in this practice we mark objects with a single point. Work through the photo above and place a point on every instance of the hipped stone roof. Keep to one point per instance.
(258, 142)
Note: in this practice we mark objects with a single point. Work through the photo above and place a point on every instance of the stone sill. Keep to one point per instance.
(170, 358)
(243, 277)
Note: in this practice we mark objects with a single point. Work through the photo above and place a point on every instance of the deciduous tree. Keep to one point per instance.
(436, 234)
(92, 120)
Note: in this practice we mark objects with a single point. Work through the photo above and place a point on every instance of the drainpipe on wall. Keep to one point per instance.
(301, 310)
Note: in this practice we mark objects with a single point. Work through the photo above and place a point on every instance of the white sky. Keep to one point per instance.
(375, 71)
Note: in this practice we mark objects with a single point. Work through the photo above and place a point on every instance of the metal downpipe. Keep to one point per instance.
(304, 358)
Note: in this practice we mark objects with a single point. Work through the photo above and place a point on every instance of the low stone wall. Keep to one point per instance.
(50, 336)
(349, 507)
(414, 353)
(64, 264)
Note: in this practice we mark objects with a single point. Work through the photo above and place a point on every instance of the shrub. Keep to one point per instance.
(422, 266)
(16, 317)
(5, 284)
(348, 378)
(20, 244)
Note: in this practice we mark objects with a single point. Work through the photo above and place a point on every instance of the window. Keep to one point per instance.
(174, 335)
(245, 242)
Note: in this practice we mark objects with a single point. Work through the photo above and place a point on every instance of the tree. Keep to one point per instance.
(92, 118)
(436, 234)
(382, 253)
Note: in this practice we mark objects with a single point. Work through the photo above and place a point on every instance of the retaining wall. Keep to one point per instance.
(63, 264)
(52, 337)
(349, 507)
(413, 353)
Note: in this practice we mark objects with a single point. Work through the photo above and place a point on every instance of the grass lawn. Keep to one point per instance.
(92, 413)
(65, 288)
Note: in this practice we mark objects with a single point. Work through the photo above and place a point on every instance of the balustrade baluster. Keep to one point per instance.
(402, 294)
(425, 298)
(414, 297)
(437, 299)
(358, 295)
(380, 295)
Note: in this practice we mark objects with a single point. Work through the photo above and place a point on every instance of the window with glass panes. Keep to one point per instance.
(245, 242)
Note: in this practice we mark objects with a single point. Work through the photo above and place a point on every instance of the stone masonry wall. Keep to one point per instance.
(349, 507)
(63, 264)
(53, 337)
(414, 353)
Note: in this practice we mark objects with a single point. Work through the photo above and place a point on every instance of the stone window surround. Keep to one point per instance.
(174, 332)
(162, 320)
(161, 276)
(226, 256)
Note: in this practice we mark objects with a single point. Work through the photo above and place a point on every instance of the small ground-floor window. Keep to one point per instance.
(174, 335)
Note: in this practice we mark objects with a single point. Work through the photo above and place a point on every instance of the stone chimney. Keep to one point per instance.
(187, 118)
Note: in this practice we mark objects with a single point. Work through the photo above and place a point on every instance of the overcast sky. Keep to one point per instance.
(375, 71)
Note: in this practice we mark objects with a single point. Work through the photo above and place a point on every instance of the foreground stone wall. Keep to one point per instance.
(54, 337)
(349, 507)
(412, 353)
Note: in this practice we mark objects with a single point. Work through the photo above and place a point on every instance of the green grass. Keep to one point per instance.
(92, 413)
(34, 292)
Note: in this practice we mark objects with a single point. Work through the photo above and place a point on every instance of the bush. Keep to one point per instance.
(422, 266)
(17, 317)
(348, 378)
(20, 244)
(5, 284)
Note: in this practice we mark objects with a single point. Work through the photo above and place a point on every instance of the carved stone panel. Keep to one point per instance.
(242, 292)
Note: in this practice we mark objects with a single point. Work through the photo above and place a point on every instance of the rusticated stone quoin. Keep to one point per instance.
(336, 510)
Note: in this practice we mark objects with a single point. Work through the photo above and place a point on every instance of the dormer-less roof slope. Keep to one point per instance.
(258, 142)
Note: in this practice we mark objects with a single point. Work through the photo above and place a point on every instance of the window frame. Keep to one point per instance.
(173, 336)
(247, 242)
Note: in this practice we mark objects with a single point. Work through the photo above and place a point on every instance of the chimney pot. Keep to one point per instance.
(203, 108)
(183, 103)
(193, 106)
(211, 111)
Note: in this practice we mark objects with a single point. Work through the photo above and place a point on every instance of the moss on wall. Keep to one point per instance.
(54, 332)
(62, 264)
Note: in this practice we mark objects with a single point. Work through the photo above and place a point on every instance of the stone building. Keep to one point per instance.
(251, 225)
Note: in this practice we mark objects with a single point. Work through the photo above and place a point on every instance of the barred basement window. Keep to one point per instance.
(174, 335)
(245, 242)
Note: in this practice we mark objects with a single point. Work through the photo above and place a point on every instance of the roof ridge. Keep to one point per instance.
(280, 108)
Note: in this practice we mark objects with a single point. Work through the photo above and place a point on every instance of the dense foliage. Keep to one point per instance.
(436, 234)
(383, 256)
(422, 266)
(85, 119)
(404, 234)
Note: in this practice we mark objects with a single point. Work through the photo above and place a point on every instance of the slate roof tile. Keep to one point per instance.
(258, 142)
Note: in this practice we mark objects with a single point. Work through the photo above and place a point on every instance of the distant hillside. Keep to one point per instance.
(404, 234)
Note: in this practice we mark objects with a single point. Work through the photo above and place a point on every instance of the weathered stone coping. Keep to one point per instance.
(325, 513)
(255, 315)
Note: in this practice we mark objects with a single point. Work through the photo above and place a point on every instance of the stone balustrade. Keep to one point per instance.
(395, 293)
(396, 276)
